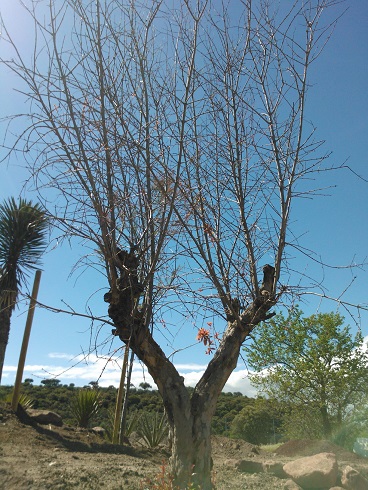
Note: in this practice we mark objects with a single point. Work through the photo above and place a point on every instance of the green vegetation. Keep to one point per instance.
(153, 428)
(24, 400)
(315, 367)
(52, 395)
(85, 406)
(258, 422)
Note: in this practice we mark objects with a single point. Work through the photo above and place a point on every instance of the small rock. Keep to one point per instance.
(233, 463)
(274, 468)
(291, 485)
(248, 466)
(100, 431)
(351, 479)
(312, 472)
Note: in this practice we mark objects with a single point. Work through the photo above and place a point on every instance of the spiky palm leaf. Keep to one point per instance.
(22, 241)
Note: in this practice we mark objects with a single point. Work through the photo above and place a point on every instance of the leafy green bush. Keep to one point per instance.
(84, 406)
(153, 428)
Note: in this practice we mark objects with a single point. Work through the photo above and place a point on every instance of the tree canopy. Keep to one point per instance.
(175, 139)
(312, 363)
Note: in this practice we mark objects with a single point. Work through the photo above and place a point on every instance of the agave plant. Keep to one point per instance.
(153, 428)
(24, 400)
(22, 241)
(85, 405)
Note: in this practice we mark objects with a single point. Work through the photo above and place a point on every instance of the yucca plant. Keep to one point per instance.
(132, 423)
(153, 428)
(22, 240)
(24, 400)
(84, 406)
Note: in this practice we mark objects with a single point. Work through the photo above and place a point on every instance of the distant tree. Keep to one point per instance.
(145, 386)
(258, 422)
(300, 423)
(22, 241)
(313, 364)
(28, 381)
(51, 383)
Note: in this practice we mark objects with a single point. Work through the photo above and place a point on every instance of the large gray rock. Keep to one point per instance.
(45, 417)
(318, 471)
(351, 479)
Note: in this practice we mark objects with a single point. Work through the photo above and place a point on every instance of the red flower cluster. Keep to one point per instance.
(204, 336)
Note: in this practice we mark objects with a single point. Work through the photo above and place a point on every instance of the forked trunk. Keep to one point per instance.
(189, 416)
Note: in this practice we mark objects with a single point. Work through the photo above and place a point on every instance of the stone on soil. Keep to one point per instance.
(351, 479)
(313, 472)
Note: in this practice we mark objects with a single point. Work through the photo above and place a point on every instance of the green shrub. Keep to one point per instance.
(153, 428)
(85, 405)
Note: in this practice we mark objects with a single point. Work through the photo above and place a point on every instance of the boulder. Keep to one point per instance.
(274, 468)
(351, 479)
(45, 417)
(313, 472)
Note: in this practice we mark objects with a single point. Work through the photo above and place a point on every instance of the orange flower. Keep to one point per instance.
(204, 336)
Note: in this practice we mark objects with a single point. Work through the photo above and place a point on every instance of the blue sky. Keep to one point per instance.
(338, 107)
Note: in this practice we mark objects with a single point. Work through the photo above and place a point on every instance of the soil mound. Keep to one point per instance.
(309, 447)
(232, 448)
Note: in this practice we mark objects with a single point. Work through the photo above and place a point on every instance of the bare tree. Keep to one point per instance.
(175, 140)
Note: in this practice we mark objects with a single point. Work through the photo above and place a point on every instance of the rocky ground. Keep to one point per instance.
(49, 457)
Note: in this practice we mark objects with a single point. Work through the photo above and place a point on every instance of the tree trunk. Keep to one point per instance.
(191, 461)
(326, 424)
(5, 315)
(189, 417)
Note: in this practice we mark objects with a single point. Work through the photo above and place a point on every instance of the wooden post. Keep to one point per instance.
(27, 332)
(125, 403)
(119, 400)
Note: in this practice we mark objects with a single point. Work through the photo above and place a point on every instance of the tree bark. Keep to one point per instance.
(5, 315)
(326, 424)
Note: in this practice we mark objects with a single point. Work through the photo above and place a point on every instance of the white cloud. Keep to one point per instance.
(239, 381)
(80, 370)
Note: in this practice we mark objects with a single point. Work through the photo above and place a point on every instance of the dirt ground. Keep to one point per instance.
(48, 457)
